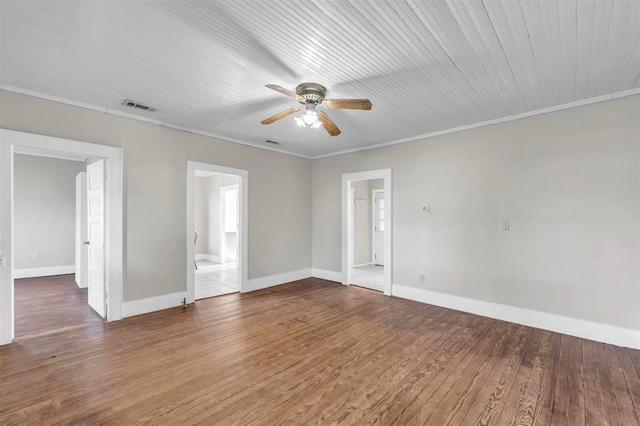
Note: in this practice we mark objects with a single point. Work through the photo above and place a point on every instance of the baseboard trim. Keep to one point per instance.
(212, 258)
(277, 279)
(567, 325)
(208, 257)
(152, 304)
(362, 264)
(327, 275)
(47, 271)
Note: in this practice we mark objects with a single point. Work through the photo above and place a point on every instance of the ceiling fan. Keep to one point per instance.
(310, 96)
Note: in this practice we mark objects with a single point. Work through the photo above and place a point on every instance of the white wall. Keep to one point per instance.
(567, 181)
(155, 170)
(44, 211)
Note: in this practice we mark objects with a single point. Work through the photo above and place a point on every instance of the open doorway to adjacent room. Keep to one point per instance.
(53, 274)
(366, 229)
(52, 269)
(215, 232)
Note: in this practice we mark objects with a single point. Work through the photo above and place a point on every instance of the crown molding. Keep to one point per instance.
(110, 111)
(569, 105)
(602, 98)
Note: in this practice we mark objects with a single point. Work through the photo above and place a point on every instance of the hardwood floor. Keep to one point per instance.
(309, 352)
(51, 305)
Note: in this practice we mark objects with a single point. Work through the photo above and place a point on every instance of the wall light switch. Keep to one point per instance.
(505, 225)
(425, 207)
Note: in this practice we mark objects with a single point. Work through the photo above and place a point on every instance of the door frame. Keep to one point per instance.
(243, 211)
(223, 223)
(373, 223)
(347, 224)
(27, 143)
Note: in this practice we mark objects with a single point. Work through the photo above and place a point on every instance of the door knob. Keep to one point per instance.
(86, 243)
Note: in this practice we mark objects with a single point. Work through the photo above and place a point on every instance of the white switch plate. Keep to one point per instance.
(425, 207)
(505, 225)
(29, 256)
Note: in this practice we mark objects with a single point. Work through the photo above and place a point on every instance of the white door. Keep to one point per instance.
(95, 241)
(81, 230)
(378, 228)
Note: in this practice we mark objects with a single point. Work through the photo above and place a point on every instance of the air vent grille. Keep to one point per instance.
(137, 105)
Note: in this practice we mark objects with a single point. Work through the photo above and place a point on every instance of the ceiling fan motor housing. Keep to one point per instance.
(311, 93)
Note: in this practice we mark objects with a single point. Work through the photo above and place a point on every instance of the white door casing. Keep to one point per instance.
(95, 231)
(6, 244)
(378, 223)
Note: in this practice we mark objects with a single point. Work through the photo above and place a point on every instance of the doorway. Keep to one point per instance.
(110, 274)
(367, 233)
(49, 206)
(366, 229)
(216, 230)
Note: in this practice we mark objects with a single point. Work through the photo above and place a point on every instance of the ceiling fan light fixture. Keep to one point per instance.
(309, 118)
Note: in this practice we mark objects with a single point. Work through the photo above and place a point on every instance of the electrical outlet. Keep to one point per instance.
(421, 278)
(35, 256)
(29, 256)
(505, 225)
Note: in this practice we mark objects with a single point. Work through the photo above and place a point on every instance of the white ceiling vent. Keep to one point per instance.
(138, 105)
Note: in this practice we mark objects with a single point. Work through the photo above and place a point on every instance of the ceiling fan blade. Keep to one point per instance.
(282, 90)
(328, 124)
(347, 103)
(280, 115)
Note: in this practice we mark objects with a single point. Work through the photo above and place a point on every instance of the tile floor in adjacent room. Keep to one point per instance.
(370, 276)
(215, 279)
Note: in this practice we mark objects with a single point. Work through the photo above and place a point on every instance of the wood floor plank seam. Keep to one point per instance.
(514, 397)
(387, 404)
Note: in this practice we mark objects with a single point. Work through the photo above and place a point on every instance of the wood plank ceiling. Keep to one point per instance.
(426, 65)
